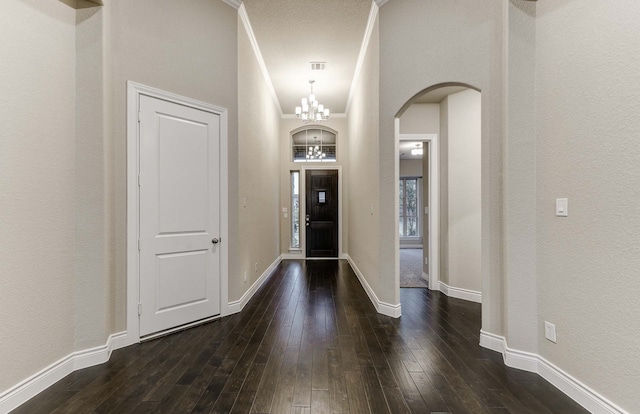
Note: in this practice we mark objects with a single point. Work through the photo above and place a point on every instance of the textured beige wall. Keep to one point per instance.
(259, 172)
(465, 44)
(37, 183)
(464, 197)
(94, 285)
(410, 168)
(521, 303)
(190, 51)
(363, 177)
(286, 126)
(421, 119)
(588, 101)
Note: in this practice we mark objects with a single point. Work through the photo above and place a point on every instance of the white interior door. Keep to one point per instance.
(179, 215)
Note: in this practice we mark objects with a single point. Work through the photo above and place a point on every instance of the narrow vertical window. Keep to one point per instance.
(295, 209)
(409, 207)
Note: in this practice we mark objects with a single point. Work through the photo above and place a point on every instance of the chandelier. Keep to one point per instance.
(417, 150)
(311, 110)
(315, 153)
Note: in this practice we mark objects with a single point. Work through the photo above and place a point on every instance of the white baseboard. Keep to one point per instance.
(237, 305)
(459, 293)
(384, 308)
(292, 256)
(35, 384)
(425, 276)
(571, 386)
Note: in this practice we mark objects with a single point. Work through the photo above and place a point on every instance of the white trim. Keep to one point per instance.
(380, 3)
(425, 276)
(244, 17)
(237, 305)
(434, 201)
(303, 205)
(373, 13)
(460, 293)
(389, 309)
(35, 384)
(134, 91)
(571, 386)
(236, 3)
(292, 256)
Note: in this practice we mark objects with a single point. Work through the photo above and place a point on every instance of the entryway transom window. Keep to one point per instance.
(313, 144)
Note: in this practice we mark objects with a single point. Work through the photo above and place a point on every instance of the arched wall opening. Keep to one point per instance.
(445, 120)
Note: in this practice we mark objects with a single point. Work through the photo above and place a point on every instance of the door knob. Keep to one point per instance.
(215, 241)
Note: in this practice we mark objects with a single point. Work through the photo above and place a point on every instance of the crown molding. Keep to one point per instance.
(373, 14)
(244, 17)
(233, 3)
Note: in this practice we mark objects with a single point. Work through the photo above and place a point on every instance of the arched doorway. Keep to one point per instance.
(444, 121)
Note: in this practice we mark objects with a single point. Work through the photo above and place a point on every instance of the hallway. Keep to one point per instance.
(310, 341)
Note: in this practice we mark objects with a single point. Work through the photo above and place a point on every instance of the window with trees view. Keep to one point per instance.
(409, 205)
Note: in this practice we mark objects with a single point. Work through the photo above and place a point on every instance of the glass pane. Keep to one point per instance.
(295, 209)
(412, 226)
(299, 153)
(328, 138)
(401, 192)
(412, 197)
(401, 226)
(314, 137)
(300, 138)
(329, 152)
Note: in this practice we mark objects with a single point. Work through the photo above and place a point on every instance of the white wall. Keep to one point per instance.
(588, 101)
(259, 172)
(464, 195)
(37, 183)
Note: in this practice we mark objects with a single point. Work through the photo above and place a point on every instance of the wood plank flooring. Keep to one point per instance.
(311, 342)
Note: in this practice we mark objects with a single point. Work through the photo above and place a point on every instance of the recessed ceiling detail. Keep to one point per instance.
(294, 33)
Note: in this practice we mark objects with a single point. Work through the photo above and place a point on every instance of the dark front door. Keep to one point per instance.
(322, 213)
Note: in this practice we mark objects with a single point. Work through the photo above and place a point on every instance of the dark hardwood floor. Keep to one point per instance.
(311, 342)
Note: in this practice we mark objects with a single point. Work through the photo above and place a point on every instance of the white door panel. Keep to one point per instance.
(179, 215)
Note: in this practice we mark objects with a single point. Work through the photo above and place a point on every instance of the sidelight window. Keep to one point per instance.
(409, 207)
(295, 209)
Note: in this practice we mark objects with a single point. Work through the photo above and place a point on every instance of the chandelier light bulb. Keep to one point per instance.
(311, 110)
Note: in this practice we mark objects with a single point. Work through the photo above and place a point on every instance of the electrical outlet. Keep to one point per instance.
(255, 267)
(426, 260)
(245, 277)
(550, 331)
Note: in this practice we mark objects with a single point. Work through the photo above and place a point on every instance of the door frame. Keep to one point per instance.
(134, 91)
(433, 238)
(303, 208)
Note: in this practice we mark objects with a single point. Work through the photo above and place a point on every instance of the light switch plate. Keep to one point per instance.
(550, 331)
(562, 207)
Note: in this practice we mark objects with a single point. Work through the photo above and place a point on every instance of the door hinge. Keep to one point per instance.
(139, 116)
(138, 244)
(139, 180)
(139, 309)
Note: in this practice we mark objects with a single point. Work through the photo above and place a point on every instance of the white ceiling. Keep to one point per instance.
(293, 33)
(405, 147)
